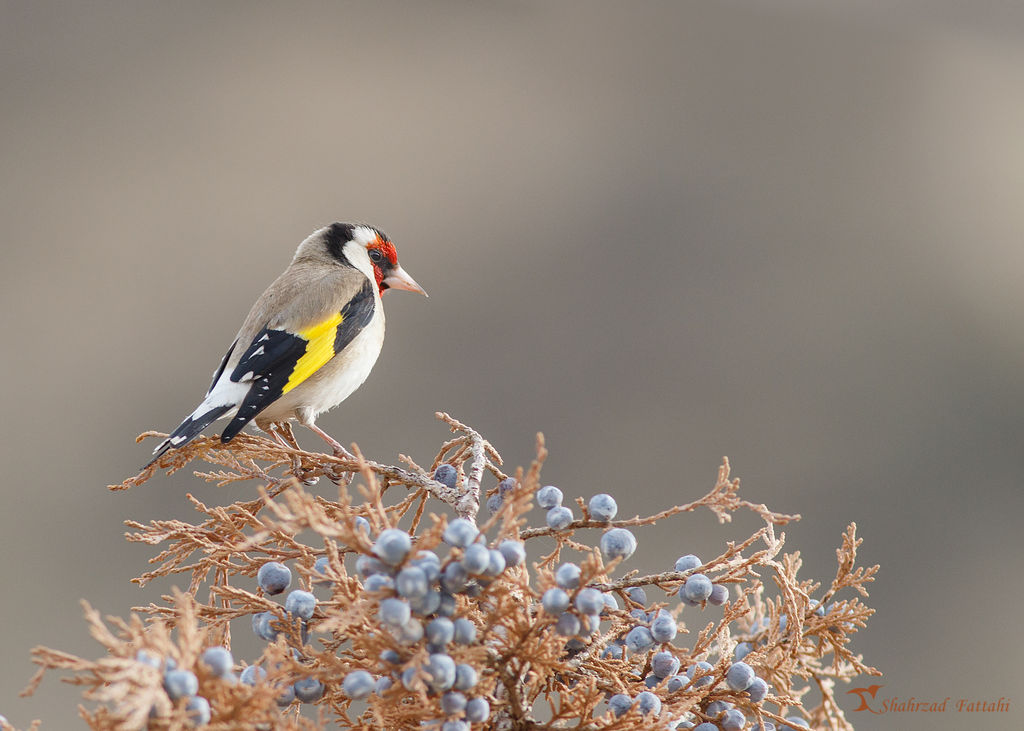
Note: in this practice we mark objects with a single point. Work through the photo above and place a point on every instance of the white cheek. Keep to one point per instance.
(356, 254)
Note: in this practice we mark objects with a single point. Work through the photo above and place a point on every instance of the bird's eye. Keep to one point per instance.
(375, 256)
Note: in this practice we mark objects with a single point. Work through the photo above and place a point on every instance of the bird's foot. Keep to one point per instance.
(340, 451)
(282, 434)
(343, 479)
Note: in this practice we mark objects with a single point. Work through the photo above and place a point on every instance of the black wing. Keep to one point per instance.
(275, 355)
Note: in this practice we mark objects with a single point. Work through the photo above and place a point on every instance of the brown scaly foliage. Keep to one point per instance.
(530, 675)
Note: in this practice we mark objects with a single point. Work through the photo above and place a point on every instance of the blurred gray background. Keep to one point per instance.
(657, 232)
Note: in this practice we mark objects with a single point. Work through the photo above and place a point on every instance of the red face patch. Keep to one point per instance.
(387, 249)
(389, 261)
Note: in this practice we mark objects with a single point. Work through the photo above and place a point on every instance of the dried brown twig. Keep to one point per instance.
(534, 669)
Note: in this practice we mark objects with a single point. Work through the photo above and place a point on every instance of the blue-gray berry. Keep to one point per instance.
(300, 604)
(611, 604)
(357, 684)
(506, 486)
(460, 533)
(639, 639)
(286, 697)
(447, 475)
(379, 582)
(476, 558)
(742, 650)
(148, 658)
(197, 709)
(734, 720)
(589, 601)
(454, 725)
(494, 503)
(447, 606)
(664, 664)
(677, 682)
(739, 676)
(793, 723)
(412, 583)
(370, 566)
(554, 601)
(411, 679)
(637, 594)
(252, 675)
(440, 631)
(567, 575)
(383, 684)
(219, 660)
(465, 631)
(477, 710)
(567, 625)
(559, 518)
(426, 604)
(454, 577)
(466, 677)
(392, 546)
(701, 670)
(496, 563)
(757, 690)
(688, 562)
(549, 497)
(429, 564)
(409, 633)
(663, 627)
(647, 702)
(440, 671)
(696, 589)
(714, 708)
(274, 577)
(617, 543)
(261, 626)
(719, 595)
(320, 569)
(362, 525)
(602, 507)
(613, 651)
(180, 684)
(620, 703)
(453, 702)
(394, 612)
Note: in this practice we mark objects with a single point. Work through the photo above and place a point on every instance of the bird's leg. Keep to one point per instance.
(339, 451)
(285, 429)
(282, 434)
(335, 474)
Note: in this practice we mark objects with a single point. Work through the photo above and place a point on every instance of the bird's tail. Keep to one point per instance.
(188, 430)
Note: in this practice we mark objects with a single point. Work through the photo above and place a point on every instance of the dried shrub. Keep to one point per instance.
(796, 635)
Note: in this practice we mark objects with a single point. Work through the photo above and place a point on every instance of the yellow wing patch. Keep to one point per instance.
(319, 350)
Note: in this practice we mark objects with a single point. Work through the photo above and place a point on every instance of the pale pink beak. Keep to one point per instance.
(400, 279)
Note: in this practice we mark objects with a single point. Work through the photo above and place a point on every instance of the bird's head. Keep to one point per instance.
(364, 247)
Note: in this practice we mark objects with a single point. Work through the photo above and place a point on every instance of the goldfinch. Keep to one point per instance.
(308, 342)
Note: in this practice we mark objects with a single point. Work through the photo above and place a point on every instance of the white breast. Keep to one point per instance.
(336, 380)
